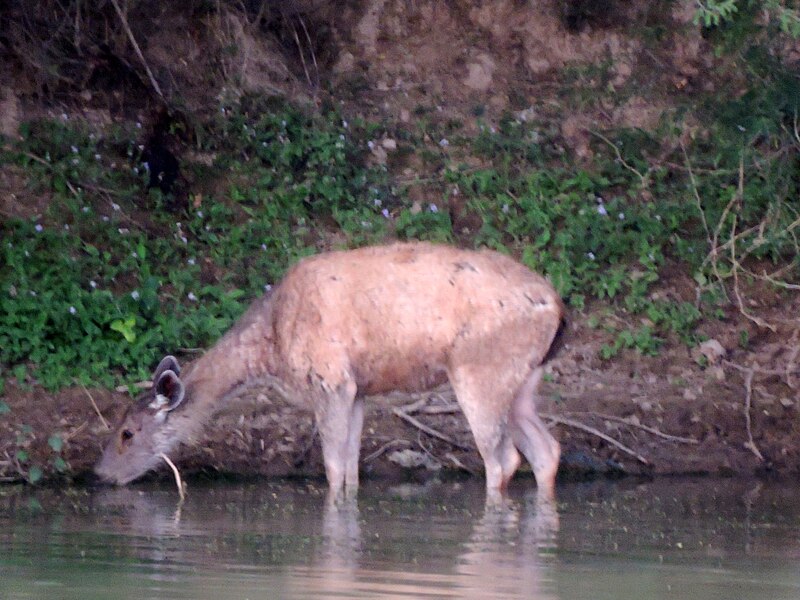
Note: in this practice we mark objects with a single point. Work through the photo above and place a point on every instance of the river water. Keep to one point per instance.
(671, 538)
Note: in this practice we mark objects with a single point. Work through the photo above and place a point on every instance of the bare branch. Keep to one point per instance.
(97, 410)
(588, 429)
(178, 480)
(430, 431)
(651, 430)
(124, 20)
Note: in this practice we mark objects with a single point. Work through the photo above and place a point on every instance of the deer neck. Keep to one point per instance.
(240, 360)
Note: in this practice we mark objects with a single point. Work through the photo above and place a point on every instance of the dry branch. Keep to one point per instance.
(124, 20)
(598, 433)
(97, 410)
(749, 372)
(647, 428)
(178, 480)
(380, 451)
(429, 430)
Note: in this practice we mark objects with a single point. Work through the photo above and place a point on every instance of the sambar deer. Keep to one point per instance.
(344, 325)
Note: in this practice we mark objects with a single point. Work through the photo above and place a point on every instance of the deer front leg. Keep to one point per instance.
(339, 420)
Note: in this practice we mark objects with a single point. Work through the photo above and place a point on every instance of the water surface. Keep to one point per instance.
(675, 538)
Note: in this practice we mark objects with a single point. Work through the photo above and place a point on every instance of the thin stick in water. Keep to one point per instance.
(178, 480)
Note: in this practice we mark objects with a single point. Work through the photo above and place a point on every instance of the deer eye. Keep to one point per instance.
(126, 435)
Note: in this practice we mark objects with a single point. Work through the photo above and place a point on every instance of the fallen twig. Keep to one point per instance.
(380, 451)
(124, 20)
(97, 410)
(447, 409)
(414, 406)
(75, 431)
(598, 433)
(421, 405)
(644, 178)
(178, 480)
(430, 431)
(735, 271)
(761, 370)
(790, 362)
(750, 444)
(648, 429)
(40, 160)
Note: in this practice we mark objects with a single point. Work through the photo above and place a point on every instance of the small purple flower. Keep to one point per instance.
(135, 294)
(72, 310)
(38, 227)
(385, 213)
(433, 208)
(191, 296)
(601, 209)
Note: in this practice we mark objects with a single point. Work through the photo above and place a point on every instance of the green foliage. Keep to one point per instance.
(429, 224)
(714, 13)
(88, 294)
(579, 228)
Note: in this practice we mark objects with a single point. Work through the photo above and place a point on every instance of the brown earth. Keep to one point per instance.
(388, 59)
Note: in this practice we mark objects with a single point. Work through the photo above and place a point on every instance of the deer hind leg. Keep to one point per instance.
(486, 411)
(532, 437)
(339, 419)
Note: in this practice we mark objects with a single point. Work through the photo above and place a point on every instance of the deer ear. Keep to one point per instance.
(169, 392)
(168, 363)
